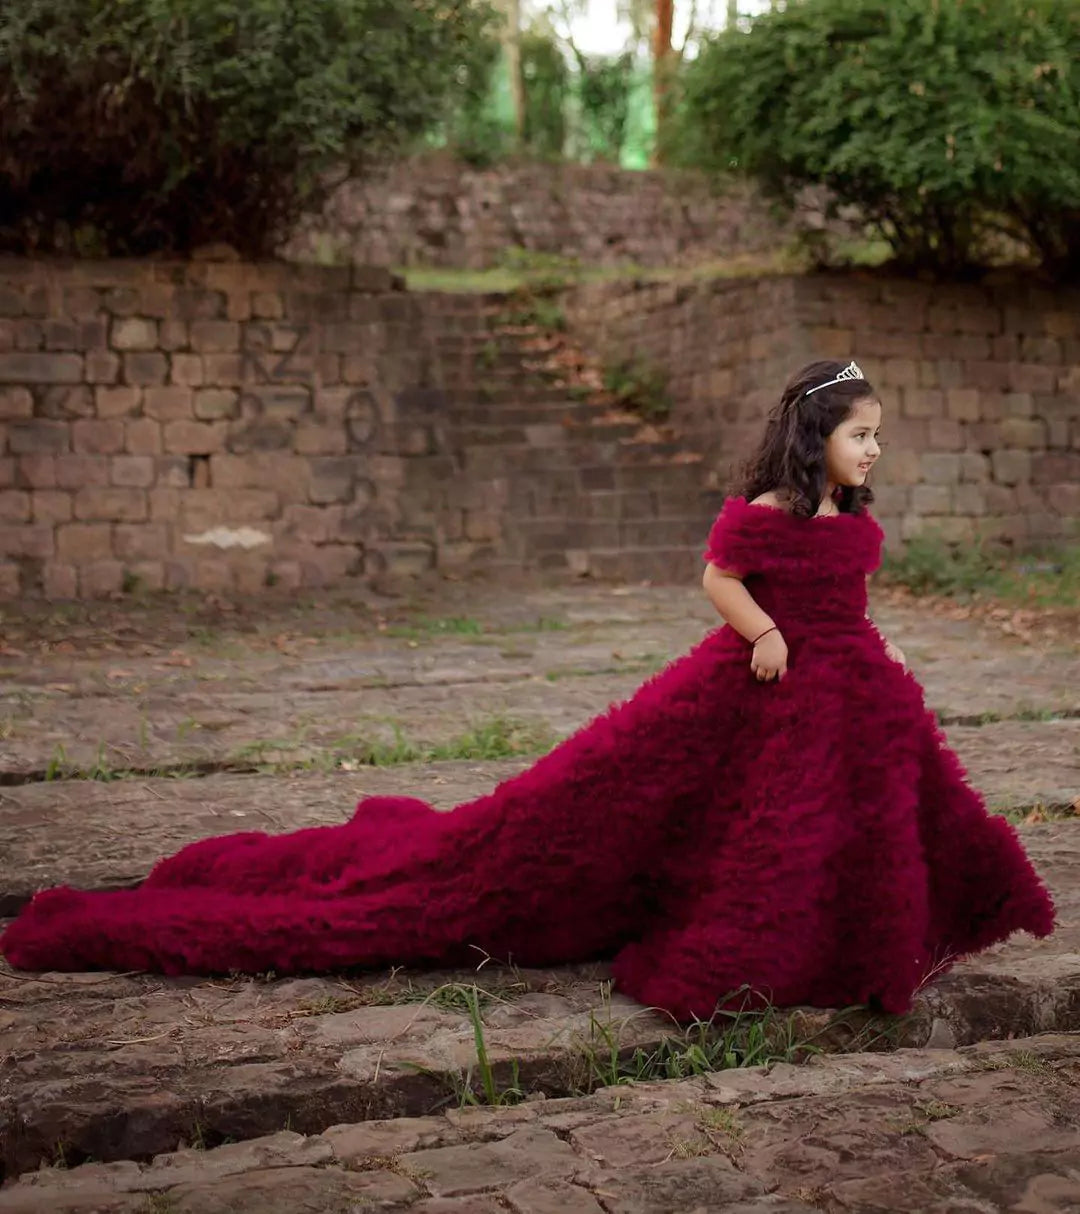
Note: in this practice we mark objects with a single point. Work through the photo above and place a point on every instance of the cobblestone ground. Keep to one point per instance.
(203, 719)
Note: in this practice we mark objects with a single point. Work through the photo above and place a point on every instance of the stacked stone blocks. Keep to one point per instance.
(981, 385)
(229, 427)
(210, 425)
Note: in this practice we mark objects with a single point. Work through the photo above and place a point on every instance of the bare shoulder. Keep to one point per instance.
(771, 500)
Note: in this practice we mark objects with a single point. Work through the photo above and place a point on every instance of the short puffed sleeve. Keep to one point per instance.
(734, 542)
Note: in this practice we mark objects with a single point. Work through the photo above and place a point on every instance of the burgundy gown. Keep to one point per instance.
(813, 840)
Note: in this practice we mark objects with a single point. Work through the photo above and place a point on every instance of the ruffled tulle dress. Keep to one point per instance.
(812, 841)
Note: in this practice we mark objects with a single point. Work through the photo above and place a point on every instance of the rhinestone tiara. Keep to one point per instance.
(851, 371)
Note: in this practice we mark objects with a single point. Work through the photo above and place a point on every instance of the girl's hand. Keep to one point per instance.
(895, 653)
(769, 659)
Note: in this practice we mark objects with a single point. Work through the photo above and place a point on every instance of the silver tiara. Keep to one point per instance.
(851, 371)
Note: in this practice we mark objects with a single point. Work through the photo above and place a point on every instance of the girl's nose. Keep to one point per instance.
(875, 450)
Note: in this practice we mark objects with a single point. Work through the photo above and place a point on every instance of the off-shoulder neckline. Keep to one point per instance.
(781, 513)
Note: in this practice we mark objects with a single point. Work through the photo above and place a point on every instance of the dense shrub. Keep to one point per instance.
(546, 79)
(132, 126)
(952, 125)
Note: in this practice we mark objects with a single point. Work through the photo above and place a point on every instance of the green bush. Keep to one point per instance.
(135, 126)
(546, 80)
(604, 86)
(951, 125)
(474, 127)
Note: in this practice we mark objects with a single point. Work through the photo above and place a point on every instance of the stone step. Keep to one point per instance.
(492, 357)
(610, 427)
(546, 429)
(509, 379)
(472, 338)
(610, 464)
(986, 1127)
(526, 459)
(512, 412)
(532, 395)
(481, 391)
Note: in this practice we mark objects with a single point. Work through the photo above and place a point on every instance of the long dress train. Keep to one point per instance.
(813, 840)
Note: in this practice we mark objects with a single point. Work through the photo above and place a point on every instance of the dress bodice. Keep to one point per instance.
(808, 574)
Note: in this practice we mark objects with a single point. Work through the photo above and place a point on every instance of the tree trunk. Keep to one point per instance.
(663, 65)
(733, 13)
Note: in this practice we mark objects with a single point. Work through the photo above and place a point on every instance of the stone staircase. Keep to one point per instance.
(581, 485)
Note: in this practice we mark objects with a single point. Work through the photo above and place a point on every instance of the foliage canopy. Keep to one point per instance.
(952, 125)
(137, 126)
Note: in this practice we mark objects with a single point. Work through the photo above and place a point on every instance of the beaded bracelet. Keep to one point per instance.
(774, 628)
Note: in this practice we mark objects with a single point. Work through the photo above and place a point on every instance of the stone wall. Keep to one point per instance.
(434, 211)
(213, 425)
(981, 384)
(229, 427)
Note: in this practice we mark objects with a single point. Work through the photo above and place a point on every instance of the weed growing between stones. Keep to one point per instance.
(718, 1129)
(425, 627)
(496, 737)
(449, 996)
(103, 771)
(922, 1115)
(479, 1084)
(1039, 811)
(1025, 1060)
(535, 307)
(645, 663)
(491, 1092)
(486, 739)
(158, 1203)
(728, 1039)
(445, 626)
(721, 1122)
(937, 1110)
(639, 388)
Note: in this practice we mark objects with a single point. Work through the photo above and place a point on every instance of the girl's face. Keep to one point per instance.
(852, 448)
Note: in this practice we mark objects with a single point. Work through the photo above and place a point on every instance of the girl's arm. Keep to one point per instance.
(735, 603)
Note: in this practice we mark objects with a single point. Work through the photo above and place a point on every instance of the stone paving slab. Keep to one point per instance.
(992, 1127)
(241, 699)
(125, 1065)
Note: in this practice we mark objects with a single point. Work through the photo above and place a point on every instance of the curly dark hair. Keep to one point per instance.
(790, 459)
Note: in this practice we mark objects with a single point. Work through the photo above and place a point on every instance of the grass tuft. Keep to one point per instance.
(640, 388)
(930, 566)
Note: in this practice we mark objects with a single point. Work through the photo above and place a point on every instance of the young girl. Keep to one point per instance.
(776, 810)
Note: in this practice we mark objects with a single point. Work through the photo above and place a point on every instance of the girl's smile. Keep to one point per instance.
(852, 448)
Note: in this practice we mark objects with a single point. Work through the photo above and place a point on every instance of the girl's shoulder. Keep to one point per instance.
(770, 500)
